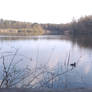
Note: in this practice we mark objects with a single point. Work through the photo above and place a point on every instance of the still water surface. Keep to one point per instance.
(68, 60)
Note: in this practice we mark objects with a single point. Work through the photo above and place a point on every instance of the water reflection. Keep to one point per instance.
(46, 62)
(82, 40)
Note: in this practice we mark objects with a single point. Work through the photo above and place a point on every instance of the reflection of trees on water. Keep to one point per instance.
(7, 38)
(49, 37)
(82, 40)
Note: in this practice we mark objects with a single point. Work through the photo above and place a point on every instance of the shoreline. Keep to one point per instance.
(45, 90)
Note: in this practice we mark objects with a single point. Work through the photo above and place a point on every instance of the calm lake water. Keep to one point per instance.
(53, 61)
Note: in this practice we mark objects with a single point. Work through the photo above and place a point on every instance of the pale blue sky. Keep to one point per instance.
(44, 11)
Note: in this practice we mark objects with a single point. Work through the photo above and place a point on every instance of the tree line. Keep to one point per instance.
(81, 26)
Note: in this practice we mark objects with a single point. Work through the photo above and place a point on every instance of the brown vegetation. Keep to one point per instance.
(80, 26)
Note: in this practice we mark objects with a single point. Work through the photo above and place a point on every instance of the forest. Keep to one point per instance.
(81, 26)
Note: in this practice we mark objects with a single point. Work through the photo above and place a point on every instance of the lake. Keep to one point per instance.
(46, 61)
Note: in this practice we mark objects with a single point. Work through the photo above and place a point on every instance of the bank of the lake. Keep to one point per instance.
(47, 90)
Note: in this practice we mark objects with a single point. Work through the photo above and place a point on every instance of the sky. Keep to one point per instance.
(44, 11)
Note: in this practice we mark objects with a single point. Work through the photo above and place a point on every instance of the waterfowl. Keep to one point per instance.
(73, 64)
